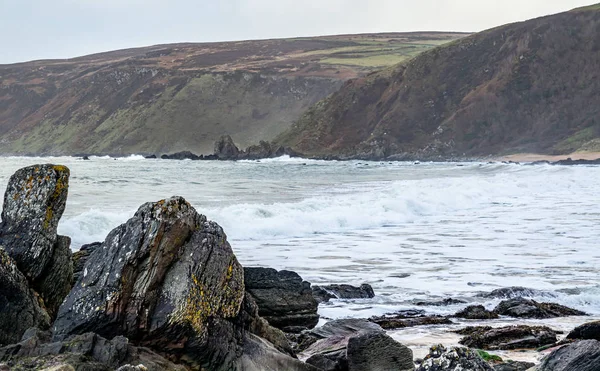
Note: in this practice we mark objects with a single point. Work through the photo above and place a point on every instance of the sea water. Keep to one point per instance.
(414, 231)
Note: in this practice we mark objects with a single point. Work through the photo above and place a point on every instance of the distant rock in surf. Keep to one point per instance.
(516, 292)
(475, 312)
(527, 308)
(225, 149)
(324, 293)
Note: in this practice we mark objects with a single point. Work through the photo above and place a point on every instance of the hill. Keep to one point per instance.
(169, 98)
(525, 87)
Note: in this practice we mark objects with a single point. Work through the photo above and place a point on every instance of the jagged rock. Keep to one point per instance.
(258, 151)
(570, 161)
(441, 303)
(514, 366)
(516, 292)
(526, 308)
(323, 293)
(283, 298)
(183, 155)
(509, 337)
(82, 352)
(454, 359)
(34, 202)
(20, 306)
(80, 258)
(376, 351)
(587, 331)
(225, 148)
(580, 356)
(476, 312)
(408, 319)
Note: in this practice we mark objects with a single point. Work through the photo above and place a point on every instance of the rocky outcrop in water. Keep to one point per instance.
(526, 308)
(580, 356)
(515, 292)
(509, 337)
(475, 312)
(409, 319)
(455, 359)
(225, 149)
(283, 298)
(324, 293)
(587, 331)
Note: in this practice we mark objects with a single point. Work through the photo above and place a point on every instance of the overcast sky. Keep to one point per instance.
(40, 29)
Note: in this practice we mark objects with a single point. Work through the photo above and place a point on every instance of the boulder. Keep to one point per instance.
(80, 258)
(476, 312)
(150, 157)
(587, 331)
(323, 293)
(34, 202)
(283, 298)
(514, 366)
(225, 148)
(20, 307)
(258, 151)
(453, 359)
(527, 308)
(440, 303)
(409, 319)
(580, 356)
(376, 351)
(509, 337)
(183, 155)
(516, 292)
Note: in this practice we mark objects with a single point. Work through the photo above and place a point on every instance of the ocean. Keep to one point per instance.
(414, 231)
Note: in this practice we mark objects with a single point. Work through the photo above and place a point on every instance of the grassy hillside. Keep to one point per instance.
(169, 98)
(530, 86)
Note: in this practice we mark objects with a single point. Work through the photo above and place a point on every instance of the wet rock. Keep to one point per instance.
(376, 351)
(514, 366)
(183, 155)
(20, 306)
(587, 331)
(527, 308)
(330, 361)
(57, 277)
(453, 359)
(82, 352)
(323, 293)
(225, 148)
(441, 303)
(476, 312)
(34, 202)
(509, 337)
(580, 356)
(403, 320)
(261, 150)
(516, 292)
(150, 157)
(570, 162)
(283, 298)
(85, 158)
(80, 258)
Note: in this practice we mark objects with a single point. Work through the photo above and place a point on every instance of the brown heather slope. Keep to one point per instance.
(169, 98)
(526, 87)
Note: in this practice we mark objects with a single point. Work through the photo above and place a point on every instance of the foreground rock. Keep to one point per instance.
(587, 331)
(283, 298)
(376, 351)
(476, 312)
(514, 366)
(34, 202)
(527, 308)
(509, 337)
(19, 305)
(169, 280)
(580, 356)
(454, 359)
(82, 352)
(324, 293)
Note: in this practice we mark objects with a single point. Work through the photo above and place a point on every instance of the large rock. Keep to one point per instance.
(58, 276)
(376, 351)
(324, 293)
(526, 308)
(183, 155)
(20, 306)
(225, 148)
(283, 298)
(587, 331)
(453, 359)
(475, 312)
(580, 356)
(509, 337)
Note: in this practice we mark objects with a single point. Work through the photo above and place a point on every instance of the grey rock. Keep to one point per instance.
(376, 351)
(508, 337)
(453, 359)
(440, 303)
(57, 277)
(587, 331)
(80, 258)
(330, 361)
(516, 292)
(514, 366)
(183, 155)
(225, 148)
(580, 356)
(476, 312)
(324, 293)
(527, 308)
(283, 298)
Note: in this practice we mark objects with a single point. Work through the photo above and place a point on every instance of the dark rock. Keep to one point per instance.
(402, 320)
(476, 312)
(579, 356)
(514, 366)
(34, 202)
(258, 151)
(453, 359)
(283, 299)
(323, 293)
(516, 292)
(345, 327)
(330, 361)
(526, 308)
(57, 277)
(376, 351)
(184, 155)
(151, 157)
(20, 306)
(81, 257)
(225, 148)
(85, 158)
(441, 303)
(570, 161)
(509, 337)
(587, 331)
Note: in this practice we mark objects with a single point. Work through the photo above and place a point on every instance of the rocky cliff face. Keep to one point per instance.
(529, 86)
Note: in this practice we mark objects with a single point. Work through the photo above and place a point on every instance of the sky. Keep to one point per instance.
(43, 29)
